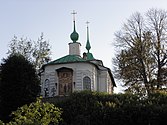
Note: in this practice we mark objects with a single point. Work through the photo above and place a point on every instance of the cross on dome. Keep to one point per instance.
(74, 13)
(87, 22)
(74, 35)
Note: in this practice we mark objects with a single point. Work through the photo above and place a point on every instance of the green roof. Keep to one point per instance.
(67, 59)
(90, 56)
(71, 59)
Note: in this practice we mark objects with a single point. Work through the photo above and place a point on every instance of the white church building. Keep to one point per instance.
(74, 72)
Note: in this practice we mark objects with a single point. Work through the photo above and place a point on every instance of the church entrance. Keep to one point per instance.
(65, 80)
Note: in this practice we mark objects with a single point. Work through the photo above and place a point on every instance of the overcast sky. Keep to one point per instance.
(28, 18)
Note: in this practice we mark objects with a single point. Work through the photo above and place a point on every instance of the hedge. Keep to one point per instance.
(93, 108)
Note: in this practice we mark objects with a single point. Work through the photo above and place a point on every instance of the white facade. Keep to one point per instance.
(74, 49)
(99, 79)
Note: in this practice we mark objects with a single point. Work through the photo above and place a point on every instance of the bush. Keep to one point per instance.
(93, 108)
(36, 113)
(1, 123)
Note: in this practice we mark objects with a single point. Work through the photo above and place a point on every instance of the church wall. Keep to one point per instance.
(84, 70)
(102, 81)
(109, 84)
(80, 70)
(49, 78)
(42, 75)
(74, 48)
(105, 83)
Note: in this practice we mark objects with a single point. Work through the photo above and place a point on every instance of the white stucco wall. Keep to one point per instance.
(74, 48)
(80, 70)
(102, 81)
(105, 83)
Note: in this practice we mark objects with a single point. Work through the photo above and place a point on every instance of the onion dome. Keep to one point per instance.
(74, 35)
(88, 47)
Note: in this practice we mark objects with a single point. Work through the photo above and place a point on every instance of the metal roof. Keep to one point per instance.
(68, 59)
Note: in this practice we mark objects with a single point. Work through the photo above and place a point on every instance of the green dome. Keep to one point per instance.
(88, 47)
(74, 36)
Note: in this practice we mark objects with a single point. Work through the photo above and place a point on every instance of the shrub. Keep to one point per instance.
(37, 113)
(93, 108)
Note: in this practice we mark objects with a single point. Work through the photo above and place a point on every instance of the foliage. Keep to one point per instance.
(80, 108)
(1, 123)
(93, 108)
(19, 84)
(141, 61)
(38, 52)
(37, 113)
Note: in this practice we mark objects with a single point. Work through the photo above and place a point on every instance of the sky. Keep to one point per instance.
(29, 18)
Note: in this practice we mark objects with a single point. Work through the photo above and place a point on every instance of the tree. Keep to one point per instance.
(37, 113)
(142, 56)
(19, 84)
(38, 52)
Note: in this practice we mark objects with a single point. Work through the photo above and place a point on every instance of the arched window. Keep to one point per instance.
(86, 83)
(46, 87)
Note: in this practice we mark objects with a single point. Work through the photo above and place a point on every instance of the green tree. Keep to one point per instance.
(19, 84)
(38, 52)
(142, 56)
(37, 113)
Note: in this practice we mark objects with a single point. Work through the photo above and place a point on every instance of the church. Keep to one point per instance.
(75, 72)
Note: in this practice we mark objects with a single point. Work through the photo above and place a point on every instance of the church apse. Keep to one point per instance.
(65, 80)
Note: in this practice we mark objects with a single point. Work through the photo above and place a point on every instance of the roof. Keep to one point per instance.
(90, 56)
(67, 59)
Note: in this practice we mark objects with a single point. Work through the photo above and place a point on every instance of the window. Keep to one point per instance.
(46, 87)
(86, 83)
